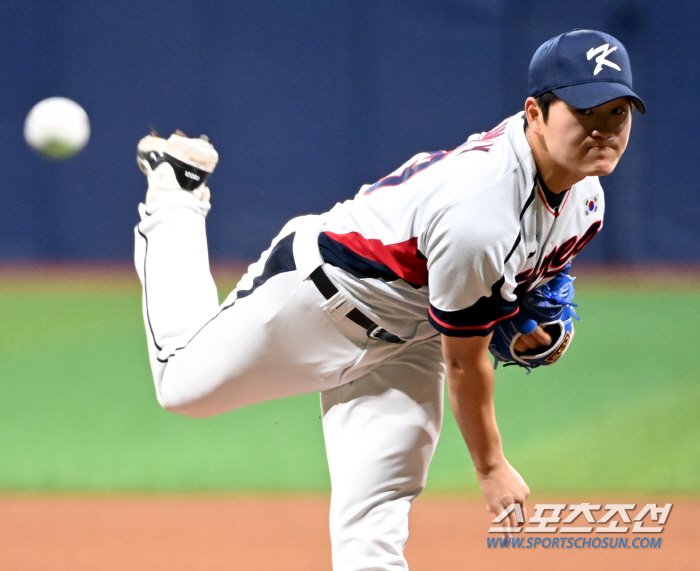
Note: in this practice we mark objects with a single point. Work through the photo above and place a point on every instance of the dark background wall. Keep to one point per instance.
(308, 99)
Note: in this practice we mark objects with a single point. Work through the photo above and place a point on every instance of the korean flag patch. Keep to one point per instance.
(590, 205)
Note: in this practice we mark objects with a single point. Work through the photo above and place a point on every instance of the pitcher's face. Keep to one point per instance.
(588, 142)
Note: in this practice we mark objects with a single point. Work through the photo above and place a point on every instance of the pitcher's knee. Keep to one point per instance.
(185, 395)
(188, 409)
(183, 407)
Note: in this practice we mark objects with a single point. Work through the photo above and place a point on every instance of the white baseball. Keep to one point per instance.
(57, 128)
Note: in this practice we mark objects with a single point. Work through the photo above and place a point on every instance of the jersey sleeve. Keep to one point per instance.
(467, 247)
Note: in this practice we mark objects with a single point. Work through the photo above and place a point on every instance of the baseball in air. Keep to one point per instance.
(57, 128)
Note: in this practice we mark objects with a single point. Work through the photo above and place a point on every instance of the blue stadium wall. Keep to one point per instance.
(308, 99)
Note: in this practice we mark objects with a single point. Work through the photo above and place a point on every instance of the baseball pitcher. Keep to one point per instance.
(421, 276)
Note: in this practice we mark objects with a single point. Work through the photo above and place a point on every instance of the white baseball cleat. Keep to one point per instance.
(180, 163)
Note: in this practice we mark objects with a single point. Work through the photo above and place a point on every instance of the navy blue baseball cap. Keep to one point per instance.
(583, 68)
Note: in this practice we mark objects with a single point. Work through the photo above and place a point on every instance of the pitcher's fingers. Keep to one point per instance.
(525, 343)
(513, 519)
(543, 338)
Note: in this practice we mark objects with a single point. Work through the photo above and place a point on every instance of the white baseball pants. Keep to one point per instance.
(276, 336)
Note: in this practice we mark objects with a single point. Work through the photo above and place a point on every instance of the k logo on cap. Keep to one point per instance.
(562, 65)
(604, 51)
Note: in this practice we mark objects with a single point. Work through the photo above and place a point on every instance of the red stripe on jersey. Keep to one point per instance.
(462, 328)
(403, 258)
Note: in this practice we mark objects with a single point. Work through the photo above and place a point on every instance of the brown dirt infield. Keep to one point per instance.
(50, 533)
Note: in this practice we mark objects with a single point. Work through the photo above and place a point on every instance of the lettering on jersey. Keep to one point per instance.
(483, 142)
(474, 143)
(397, 177)
(555, 261)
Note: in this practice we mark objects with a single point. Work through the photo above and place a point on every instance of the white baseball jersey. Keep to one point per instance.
(456, 237)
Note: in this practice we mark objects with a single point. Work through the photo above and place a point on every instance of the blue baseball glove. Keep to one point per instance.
(549, 306)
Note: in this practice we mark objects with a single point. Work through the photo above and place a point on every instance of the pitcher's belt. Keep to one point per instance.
(328, 290)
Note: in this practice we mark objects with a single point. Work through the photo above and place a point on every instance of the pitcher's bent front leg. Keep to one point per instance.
(270, 339)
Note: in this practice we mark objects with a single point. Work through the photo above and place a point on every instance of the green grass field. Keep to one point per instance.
(620, 412)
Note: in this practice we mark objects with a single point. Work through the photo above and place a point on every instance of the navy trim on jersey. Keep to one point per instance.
(478, 320)
(280, 260)
(342, 257)
(515, 245)
(529, 201)
(553, 200)
(145, 289)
